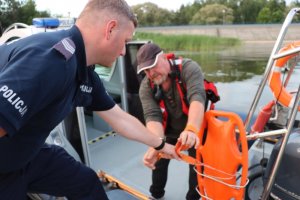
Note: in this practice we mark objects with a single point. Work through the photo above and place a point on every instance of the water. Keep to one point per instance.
(237, 73)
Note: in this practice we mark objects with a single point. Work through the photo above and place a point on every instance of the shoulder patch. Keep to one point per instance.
(66, 47)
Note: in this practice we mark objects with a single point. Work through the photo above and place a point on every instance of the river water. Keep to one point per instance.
(237, 73)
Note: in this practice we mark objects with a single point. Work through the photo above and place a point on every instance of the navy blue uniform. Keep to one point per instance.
(42, 79)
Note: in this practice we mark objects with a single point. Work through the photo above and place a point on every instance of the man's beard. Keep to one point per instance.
(161, 80)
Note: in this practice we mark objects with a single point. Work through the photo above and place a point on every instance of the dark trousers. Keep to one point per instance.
(160, 175)
(53, 171)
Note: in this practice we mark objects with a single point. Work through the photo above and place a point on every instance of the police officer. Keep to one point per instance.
(42, 79)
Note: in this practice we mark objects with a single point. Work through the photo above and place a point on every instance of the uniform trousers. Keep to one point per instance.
(54, 172)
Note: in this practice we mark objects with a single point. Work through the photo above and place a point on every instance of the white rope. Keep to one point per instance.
(220, 179)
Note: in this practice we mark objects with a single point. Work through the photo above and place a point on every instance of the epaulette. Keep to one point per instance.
(66, 47)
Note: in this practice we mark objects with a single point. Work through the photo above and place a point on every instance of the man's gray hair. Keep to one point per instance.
(119, 7)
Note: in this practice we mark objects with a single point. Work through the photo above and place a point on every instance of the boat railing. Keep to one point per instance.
(275, 55)
(266, 134)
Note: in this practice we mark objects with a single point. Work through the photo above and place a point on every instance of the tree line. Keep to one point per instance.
(208, 12)
(200, 12)
(23, 11)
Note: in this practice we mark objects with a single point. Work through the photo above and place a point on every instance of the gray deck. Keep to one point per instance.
(122, 159)
(120, 194)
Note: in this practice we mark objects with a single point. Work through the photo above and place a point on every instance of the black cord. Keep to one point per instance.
(282, 82)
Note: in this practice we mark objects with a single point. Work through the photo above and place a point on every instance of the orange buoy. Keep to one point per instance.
(284, 97)
(222, 155)
(262, 118)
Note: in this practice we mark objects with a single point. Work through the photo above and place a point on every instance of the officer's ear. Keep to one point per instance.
(110, 28)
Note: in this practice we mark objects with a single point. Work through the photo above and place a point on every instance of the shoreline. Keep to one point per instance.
(253, 33)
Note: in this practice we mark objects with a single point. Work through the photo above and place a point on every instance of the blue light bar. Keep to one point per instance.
(45, 22)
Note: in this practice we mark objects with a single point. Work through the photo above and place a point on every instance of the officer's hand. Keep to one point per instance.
(150, 158)
(169, 152)
(189, 139)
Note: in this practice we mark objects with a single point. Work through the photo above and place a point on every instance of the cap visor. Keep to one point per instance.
(149, 66)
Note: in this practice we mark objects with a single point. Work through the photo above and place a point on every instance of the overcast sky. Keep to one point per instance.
(74, 7)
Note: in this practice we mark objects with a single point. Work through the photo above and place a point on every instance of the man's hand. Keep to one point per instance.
(168, 152)
(150, 158)
(189, 139)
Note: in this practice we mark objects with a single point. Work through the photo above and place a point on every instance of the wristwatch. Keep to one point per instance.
(161, 146)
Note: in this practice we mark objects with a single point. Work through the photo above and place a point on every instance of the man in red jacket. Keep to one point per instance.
(168, 112)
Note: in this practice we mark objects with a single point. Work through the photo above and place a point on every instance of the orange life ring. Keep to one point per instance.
(280, 93)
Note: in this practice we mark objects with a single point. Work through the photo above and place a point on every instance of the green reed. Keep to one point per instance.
(187, 42)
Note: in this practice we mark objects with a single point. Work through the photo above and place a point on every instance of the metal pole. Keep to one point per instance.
(123, 84)
(83, 135)
(266, 134)
(269, 66)
(270, 182)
